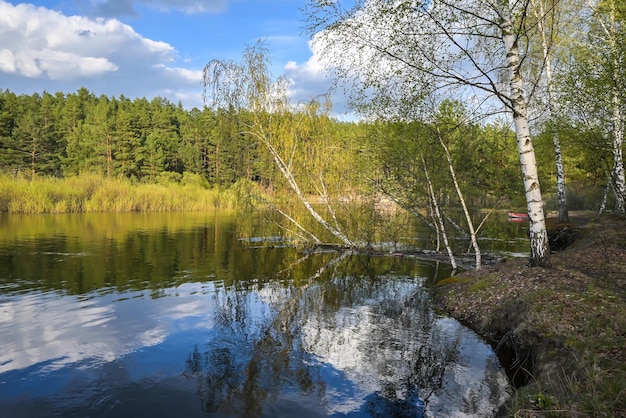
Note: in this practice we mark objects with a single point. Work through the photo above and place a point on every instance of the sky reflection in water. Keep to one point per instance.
(358, 338)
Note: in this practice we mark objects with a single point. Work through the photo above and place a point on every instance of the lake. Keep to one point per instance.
(199, 315)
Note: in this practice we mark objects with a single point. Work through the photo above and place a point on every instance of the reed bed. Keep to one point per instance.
(94, 193)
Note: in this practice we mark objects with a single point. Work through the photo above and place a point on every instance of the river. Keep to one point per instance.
(191, 315)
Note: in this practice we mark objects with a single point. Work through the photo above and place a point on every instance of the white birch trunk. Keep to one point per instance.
(468, 218)
(431, 212)
(560, 178)
(286, 171)
(539, 246)
(558, 156)
(619, 179)
(618, 124)
(439, 218)
(605, 195)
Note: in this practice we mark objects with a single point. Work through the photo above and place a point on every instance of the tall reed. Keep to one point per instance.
(93, 193)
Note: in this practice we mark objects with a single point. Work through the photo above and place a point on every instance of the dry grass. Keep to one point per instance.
(568, 322)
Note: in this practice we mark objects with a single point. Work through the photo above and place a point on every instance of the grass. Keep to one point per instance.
(94, 193)
(572, 317)
(587, 326)
(480, 285)
(452, 280)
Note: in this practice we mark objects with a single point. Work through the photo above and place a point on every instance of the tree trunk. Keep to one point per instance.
(539, 246)
(468, 218)
(605, 195)
(286, 171)
(438, 218)
(560, 178)
(558, 156)
(619, 179)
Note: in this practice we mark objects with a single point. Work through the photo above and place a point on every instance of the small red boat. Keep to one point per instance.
(514, 215)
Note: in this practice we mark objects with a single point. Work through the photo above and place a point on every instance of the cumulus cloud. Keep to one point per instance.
(314, 78)
(39, 42)
(44, 49)
(47, 49)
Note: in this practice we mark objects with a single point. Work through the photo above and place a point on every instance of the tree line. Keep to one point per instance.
(64, 134)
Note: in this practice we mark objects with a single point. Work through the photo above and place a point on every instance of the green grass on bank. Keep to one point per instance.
(95, 193)
(565, 324)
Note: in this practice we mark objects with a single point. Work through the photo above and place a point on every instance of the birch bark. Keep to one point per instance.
(540, 14)
(539, 246)
(468, 218)
(438, 218)
(619, 178)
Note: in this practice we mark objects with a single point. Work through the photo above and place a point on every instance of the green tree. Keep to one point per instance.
(548, 16)
(192, 151)
(36, 138)
(98, 132)
(398, 53)
(596, 83)
(126, 140)
(249, 87)
(73, 116)
(9, 111)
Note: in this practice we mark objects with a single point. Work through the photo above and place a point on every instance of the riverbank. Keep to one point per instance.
(563, 329)
(90, 192)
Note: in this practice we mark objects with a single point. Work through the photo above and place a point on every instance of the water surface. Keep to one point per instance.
(109, 315)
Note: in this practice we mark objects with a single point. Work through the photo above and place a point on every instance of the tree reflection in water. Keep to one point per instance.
(337, 344)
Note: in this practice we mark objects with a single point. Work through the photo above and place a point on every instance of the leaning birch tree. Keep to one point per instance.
(406, 179)
(249, 87)
(441, 134)
(392, 54)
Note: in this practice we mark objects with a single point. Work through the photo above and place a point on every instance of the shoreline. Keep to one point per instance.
(562, 328)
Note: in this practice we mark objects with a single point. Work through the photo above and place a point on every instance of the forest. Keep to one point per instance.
(63, 135)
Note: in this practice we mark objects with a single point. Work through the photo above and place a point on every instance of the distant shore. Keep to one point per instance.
(96, 193)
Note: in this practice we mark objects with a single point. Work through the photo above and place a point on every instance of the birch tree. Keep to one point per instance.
(547, 28)
(249, 86)
(395, 53)
(596, 83)
(440, 134)
(406, 175)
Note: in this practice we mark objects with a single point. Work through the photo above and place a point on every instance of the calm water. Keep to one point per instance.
(174, 315)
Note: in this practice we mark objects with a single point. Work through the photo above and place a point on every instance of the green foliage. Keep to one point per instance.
(158, 142)
(486, 163)
(480, 285)
(64, 135)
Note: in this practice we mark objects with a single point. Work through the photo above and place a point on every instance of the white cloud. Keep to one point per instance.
(7, 61)
(43, 43)
(59, 330)
(312, 79)
(43, 49)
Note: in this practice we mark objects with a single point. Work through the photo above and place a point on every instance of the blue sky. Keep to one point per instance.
(149, 48)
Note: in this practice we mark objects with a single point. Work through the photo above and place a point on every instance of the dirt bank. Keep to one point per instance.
(563, 329)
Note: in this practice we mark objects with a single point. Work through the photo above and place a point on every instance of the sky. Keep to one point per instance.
(150, 48)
